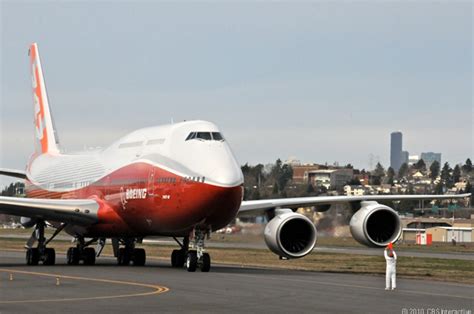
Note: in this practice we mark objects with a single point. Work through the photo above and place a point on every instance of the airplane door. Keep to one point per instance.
(151, 182)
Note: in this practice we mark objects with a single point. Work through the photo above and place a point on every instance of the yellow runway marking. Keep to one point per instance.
(156, 289)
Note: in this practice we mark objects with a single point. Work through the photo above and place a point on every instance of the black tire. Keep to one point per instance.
(123, 257)
(89, 256)
(139, 257)
(73, 256)
(177, 258)
(49, 256)
(205, 263)
(32, 256)
(191, 261)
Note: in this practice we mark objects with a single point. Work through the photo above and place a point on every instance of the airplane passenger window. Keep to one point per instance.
(217, 136)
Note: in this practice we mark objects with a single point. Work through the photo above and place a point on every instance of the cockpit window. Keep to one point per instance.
(216, 136)
(191, 136)
(206, 136)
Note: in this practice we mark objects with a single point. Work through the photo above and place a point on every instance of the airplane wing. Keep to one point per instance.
(77, 211)
(13, 173)
(259, 207)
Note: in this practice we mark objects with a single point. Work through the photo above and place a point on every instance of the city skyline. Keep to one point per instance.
(323, 81)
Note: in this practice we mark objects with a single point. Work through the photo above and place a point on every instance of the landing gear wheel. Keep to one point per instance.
(123, 257)
(205, 263)
(89, 256)
(49, 256)
(32, 256)
(73, 256)
(191, 261)
(139, 257)
(177, 258)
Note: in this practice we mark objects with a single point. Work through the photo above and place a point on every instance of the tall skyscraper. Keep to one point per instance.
(431, 157)
(396, 150)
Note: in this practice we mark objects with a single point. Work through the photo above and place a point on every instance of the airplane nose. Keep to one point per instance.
(226, 171)
(229, 175)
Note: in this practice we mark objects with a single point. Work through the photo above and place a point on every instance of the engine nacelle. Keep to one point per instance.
(27, 222)
(375, 225)
(290, 235)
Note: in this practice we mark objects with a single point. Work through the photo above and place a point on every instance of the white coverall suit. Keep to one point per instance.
(391, 271)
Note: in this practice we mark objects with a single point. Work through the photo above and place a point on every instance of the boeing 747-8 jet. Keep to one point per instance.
(179, 180)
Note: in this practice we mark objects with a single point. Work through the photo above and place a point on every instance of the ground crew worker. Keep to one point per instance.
(390, 273)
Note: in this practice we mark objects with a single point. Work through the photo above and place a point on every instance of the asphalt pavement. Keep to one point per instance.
(157, 287)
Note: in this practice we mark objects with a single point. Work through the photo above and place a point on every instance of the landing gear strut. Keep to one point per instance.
(192, 259)
(81, 252)
(178, 257)
(129, 254)
(41, 253)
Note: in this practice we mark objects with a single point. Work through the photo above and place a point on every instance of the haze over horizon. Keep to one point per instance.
(321, 81)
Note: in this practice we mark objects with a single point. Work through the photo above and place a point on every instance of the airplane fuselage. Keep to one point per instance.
(162, 180)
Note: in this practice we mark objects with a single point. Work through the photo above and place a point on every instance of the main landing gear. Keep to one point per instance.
(41, 253)
(128, 253)
(82, 253)
(192, 259)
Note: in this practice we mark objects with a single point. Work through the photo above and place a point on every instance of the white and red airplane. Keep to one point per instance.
(178, 180)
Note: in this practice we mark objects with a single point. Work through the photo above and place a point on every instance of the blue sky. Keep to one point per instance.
(322, 81)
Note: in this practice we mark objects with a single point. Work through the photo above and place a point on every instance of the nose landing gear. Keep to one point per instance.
(195, 258)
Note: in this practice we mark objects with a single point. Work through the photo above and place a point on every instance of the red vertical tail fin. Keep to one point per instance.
(45, 133)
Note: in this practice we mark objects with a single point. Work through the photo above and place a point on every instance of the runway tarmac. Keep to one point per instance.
(159, 288)
(262, 245)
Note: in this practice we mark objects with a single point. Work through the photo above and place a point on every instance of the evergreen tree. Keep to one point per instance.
(379, 170)
(434, 170)
(390, 175)
(439, 188)
(456, 174)
(403, 171)
(468, 188)
(446, 177)
(420, 165)
(467, 167)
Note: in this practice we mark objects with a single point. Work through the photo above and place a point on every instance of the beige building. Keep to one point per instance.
(447, 234)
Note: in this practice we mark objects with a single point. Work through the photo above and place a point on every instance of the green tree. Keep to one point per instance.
(379, 170)
(456, 174)
(390, 175)
(420, 165)
(403, 171)
(467, 167)
(468, 188)
(439, 188)
(434, 170)
(282, 174)
(446, 177)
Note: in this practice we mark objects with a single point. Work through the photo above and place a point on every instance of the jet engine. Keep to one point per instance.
(375, 225)
(290, 235)
(27, 222)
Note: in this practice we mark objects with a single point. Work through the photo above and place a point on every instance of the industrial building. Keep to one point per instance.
(330, 178)
(439, 230)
